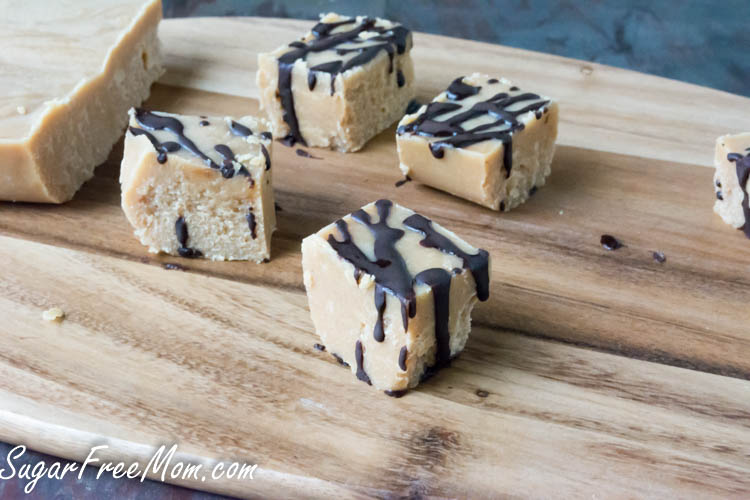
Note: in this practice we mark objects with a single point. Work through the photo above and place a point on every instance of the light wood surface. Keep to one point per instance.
(219, 358)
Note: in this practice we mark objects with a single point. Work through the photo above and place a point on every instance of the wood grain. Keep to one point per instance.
(551, 277)
(219, 359)
(227, 371)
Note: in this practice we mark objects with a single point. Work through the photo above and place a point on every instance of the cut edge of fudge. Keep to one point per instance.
(731, 180)
(76, 132)
(338, 101)
(380, 319)
(190, 194)
(498, 160)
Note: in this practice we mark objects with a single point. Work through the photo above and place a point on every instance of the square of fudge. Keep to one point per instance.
(732, 162)
(198, 186)
(482, 139)
(341, 84)
(391, 293)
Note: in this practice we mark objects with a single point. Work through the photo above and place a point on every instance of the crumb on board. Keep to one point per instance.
(53, 314)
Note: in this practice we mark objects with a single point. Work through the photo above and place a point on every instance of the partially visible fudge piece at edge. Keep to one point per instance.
(344, 82)
(391, 293)
(69, 73)
(198, 186)
(482, 139)
(731, 180)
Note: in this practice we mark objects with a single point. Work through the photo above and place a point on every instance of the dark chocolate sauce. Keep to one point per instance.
(719, 196)
(482, 393)
(162, 148)
(392, 276)
(392, 40)
(266, 156)
(659, 257)
(533, 190)
(403, 181)
(400, 80)
(319, 347)
(396, 394)
(493, 80)
(266, 135)
(609, 242)
(305, 154)
(181, 230)
(171, 266)
(389, 268)
(204, 123)
(227, 166)
(742, 165)
(277, 207)
(340, 360)
(458, 90)
(402, 355)
(239, 129)
(477, 264)
(152, 121)
(450, 132)
(439, 280)
(251, 223)
(359, 355)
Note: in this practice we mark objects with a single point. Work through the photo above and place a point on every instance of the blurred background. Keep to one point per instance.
(706, 42)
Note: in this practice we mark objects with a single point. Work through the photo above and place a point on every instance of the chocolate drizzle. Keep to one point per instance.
(477, 264)
(389, 40)
(451, 132)
(251, 223)
(392, 276)
(162, 148)
(359, 355)
(181, 230)
(742, 166)
(152, 121)
(239, 129)
(403, 181)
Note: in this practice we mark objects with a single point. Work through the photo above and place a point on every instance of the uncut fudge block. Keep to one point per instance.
(732, 162)
(340, 85)
(391, 293)
(483, 139)
(198, 186)
(70, 71)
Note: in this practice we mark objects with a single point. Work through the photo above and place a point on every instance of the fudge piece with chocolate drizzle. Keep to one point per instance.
(483, 139)
(731, 180)
(391, 293)
(199, 186)
(340, 85)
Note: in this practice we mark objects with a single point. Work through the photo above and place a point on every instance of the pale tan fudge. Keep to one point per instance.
(731, 181)
(340, 85)
(198, 186)
(483, 139)
(70, 71)
(391, 293)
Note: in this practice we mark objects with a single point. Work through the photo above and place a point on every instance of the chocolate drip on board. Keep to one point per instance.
(391, 40)
(742, 166)
(392, 276)
(451, 132)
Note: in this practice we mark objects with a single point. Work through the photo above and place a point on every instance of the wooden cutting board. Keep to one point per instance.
(588, 373)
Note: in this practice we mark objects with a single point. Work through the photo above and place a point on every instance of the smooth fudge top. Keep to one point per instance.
(335, 45)
(220, 143)
(404, 252)
(475, 112)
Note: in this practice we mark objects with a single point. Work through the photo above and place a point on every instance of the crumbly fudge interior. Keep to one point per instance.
(391, 292)
(199, 186)
(483, 139)
(342, 83)
(64, 106)
(732, 162)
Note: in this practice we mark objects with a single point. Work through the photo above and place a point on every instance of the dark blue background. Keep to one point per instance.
(702, 42)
